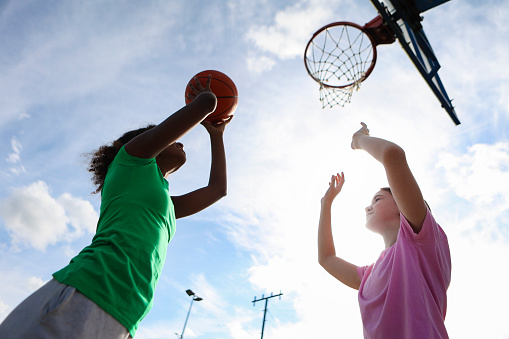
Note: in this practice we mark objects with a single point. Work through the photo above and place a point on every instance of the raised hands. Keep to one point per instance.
(198, 88)
(216, 128)
(361, 132)
(335, 186)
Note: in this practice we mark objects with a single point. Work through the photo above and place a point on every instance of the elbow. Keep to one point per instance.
(220, 192)
(322, 260)
(207, 101)
(393, 153)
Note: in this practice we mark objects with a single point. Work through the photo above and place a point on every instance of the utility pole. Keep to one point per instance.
(266, 302)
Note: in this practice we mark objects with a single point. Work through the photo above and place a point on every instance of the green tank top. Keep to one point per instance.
(119, 270)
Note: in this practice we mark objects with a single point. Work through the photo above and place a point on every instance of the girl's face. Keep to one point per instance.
(171, 159)
(383, 213)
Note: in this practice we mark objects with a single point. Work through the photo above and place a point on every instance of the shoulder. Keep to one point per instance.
(124, 158)
(430, 233)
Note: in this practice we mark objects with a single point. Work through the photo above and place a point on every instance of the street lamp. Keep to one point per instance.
(194, 297)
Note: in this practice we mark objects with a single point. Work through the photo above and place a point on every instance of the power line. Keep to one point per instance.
(266, 302)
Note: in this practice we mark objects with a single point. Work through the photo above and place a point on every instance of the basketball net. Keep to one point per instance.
(330, 96)
(339, 57)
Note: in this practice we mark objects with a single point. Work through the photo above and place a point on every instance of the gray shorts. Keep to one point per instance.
(60, 311)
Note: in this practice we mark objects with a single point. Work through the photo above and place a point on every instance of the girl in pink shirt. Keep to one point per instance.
(403, 294)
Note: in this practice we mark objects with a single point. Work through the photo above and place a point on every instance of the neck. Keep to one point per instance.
(390, 240)
(391, 235)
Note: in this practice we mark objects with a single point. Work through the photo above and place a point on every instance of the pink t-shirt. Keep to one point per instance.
(403, 294)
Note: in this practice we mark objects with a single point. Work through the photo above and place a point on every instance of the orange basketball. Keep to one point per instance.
(224, 89)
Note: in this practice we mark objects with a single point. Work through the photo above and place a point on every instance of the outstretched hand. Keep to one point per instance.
(335, 186)
(361, 132)
(198, 88)
(216, 128)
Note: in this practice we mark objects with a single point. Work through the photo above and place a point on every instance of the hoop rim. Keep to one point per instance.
(343, 23)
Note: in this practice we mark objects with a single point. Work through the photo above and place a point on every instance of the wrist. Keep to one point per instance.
(357, 140)
(326, 203)
(216, 135)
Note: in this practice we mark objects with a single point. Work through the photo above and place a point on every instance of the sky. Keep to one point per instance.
(76, 75)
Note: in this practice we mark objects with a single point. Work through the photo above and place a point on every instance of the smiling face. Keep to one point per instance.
(382, 215)
(171, 159)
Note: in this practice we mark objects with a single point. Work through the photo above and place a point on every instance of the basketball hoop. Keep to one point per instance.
(341, 55)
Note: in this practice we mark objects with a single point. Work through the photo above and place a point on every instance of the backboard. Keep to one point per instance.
(404, 20)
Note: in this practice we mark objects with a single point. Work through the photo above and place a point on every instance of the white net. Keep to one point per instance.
(339, 58)
(331, 96)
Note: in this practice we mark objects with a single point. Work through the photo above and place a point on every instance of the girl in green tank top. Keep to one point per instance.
(119, 270)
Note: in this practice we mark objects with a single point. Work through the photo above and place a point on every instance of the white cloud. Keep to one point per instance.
(80, 50)
(34, 218)
(23, 115)
(477, 297)
(80, 213)
(17, 281)
(3, 310)
(34, 283)
(480, 177)
(291, 29)
(14, 158)
(237, 330)
(212, 301)
(259, 64)
(213, 316)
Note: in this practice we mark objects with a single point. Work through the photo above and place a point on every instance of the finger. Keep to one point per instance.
(196, 88)
(227, 121)
(332, 181)
(365, 127)
(198, 84)
(209, 79)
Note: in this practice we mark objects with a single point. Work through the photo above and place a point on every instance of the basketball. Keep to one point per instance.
(224, 89)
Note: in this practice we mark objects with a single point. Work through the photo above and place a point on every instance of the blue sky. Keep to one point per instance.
(76, 75)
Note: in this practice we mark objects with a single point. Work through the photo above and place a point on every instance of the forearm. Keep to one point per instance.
(182, 121)
(404, 187)
(325, 240)
(382, 150)
(154, 141)
(218, 171)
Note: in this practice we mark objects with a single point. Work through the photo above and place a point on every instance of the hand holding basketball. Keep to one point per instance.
(197, 88)
(216, 127)
(219, 84)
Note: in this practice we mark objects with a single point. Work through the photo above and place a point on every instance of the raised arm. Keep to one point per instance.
(154, 141)
(337, 267)
(202, 198)
(404, 187)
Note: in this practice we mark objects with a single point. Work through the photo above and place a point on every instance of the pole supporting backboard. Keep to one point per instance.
(402, 18)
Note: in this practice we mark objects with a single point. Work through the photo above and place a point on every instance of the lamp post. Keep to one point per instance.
(194, 297)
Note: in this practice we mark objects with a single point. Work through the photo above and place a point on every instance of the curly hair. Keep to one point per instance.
(101, 158)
